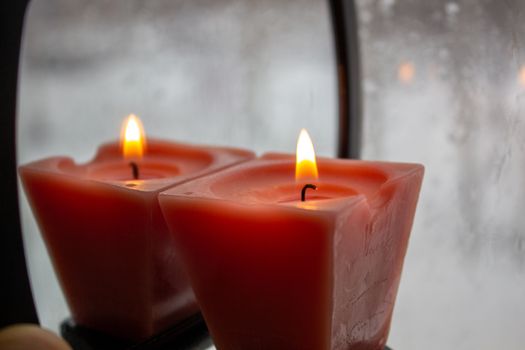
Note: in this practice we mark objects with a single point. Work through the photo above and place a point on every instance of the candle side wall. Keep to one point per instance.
(262, 274)
(109, 255)
(369, 251)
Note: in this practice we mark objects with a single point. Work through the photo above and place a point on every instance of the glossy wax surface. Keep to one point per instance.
(106, 236)
(272, 272)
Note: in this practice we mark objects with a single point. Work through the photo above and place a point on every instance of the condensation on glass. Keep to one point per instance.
(445, 86)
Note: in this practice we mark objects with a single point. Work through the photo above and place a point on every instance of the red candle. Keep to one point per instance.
(106, 236)
(273, 272)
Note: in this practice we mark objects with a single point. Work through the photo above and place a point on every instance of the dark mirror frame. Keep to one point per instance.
(16, 299)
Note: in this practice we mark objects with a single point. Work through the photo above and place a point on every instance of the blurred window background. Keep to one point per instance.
(443, 82)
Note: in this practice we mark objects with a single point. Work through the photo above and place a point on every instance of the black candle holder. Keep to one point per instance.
(17, 305)
(190, 334)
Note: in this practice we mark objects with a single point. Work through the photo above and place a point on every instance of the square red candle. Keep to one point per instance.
(273, 272)
(106, 236)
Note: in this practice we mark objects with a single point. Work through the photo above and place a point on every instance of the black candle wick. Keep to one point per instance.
(303, 191)
(134, 170)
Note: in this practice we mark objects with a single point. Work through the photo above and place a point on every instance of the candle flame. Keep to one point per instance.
(305, 166)
(132, 138)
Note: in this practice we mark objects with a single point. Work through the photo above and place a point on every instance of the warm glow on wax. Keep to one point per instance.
(133, 140)
(305, 166)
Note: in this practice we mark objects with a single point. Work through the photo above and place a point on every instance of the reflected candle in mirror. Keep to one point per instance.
(106, 236)
(273, 272)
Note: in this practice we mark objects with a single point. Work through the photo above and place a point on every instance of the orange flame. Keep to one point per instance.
(305, 165)
(132, 138)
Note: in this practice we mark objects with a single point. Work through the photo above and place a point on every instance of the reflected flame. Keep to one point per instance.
(132, 138)
(305, 165)
(406, 72)
(522, 76)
